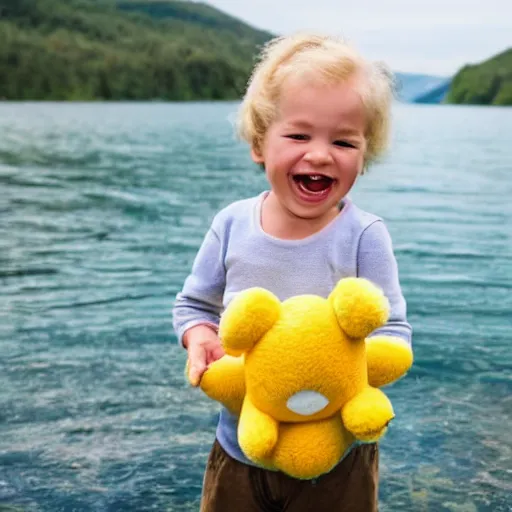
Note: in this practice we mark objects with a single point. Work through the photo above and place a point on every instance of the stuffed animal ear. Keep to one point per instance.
(359, 306)
(246, 319)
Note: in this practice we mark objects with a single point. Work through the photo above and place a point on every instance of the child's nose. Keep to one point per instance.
(318, 155)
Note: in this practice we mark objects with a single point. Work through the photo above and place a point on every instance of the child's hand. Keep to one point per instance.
(204, 348)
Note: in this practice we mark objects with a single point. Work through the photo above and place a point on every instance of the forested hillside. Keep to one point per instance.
(125, 50)
(488, 83)
(169, 50)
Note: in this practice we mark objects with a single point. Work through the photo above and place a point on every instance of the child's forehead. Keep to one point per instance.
(333, 107)
(298, 86)
(300, 96)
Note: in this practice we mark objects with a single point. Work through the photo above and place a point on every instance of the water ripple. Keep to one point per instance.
(100, 222)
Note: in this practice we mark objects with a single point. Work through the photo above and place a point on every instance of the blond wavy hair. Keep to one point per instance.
(327, 60)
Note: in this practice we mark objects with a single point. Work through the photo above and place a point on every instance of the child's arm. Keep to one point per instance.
(377, 262)
(197, 307)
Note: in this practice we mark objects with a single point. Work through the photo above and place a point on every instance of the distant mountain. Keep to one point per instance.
(138, 50)
(125, 50)
(435, 95)
(487, 83)
(196, 13)
(418, 88)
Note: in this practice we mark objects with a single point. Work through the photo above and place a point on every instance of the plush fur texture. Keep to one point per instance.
(303, 376)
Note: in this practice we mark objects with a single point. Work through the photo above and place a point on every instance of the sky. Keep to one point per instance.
(436, 37)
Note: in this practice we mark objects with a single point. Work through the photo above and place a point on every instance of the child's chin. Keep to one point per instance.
(315, 211)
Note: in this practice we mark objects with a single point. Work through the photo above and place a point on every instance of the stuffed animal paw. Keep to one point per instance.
(368, 414)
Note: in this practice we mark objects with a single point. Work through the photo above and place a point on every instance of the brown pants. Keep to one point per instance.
(352, 486)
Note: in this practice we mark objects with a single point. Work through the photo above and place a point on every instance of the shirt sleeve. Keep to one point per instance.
(377, 263)
(200, 300)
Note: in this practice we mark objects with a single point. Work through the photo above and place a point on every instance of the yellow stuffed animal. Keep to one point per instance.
(303, 377)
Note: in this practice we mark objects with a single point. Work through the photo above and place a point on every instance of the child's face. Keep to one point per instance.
(314, 149)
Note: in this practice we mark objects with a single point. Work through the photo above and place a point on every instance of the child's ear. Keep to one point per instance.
(256, 155)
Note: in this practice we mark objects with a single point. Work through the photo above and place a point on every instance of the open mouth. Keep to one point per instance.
(313, 183)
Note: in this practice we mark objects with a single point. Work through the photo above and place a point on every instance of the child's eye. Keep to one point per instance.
(344, 144)
(297, 136)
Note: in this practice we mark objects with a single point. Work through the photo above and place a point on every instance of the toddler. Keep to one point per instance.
(315, 115)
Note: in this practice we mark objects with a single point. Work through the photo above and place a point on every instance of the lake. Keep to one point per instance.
(102, 208)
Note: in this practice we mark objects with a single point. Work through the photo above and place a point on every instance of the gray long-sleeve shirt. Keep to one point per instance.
(237, 254)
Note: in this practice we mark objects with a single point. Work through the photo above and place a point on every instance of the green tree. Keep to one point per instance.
(100, 49)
